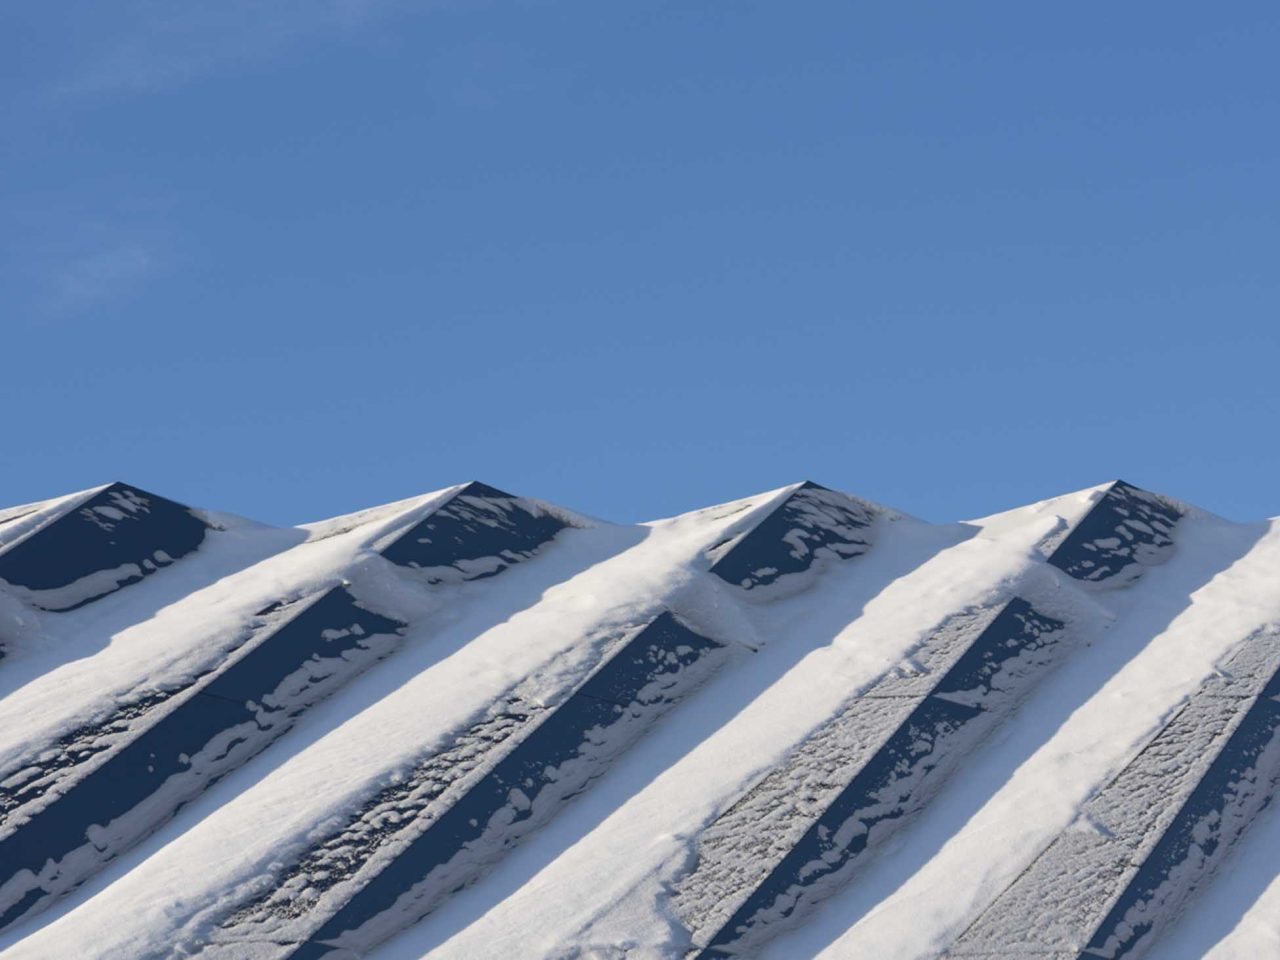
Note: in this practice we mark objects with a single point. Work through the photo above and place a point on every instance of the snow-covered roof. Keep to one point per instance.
(472, 725)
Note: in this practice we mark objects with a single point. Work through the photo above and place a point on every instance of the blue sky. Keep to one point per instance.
(296, 258)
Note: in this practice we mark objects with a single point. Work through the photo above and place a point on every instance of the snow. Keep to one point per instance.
(832, 622)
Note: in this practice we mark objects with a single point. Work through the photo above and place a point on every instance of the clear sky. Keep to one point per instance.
(290, 259)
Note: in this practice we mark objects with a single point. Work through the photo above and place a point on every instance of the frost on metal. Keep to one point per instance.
(53, 841)
(384, 823)
(1143, 844)
(1126, 530)
(415, 843)
(796, 833)
(114, 538)
(811, 525)
(738, 851)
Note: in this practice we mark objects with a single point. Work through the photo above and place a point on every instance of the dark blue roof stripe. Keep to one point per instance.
(810, 523)
(478, 523)
(1126, 526)
(121, 528)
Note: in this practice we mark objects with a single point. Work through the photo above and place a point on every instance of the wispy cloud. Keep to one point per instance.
(61, 259)
(149, 45)
(95, 278)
